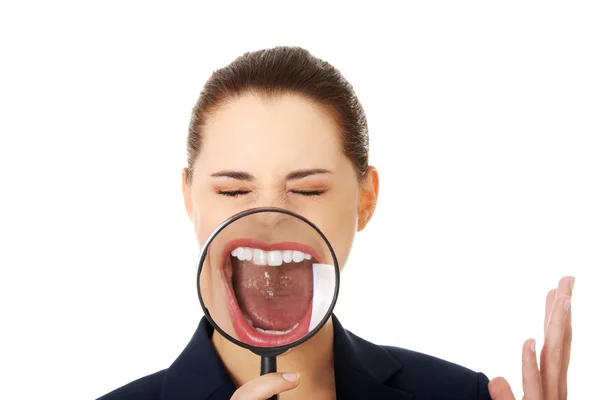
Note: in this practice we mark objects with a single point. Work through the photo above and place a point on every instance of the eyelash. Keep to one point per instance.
(234, 193)
(307, 193)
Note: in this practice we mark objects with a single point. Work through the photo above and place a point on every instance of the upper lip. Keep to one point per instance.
(262, 245)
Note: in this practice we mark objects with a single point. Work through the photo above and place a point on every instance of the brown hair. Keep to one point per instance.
(283, 70)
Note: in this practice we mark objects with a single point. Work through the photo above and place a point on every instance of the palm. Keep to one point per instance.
(549, 381)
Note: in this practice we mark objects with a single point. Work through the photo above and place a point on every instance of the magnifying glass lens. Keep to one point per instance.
(268, 279)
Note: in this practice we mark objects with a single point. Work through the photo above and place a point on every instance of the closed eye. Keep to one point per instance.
(233, 193)
(236, 193)
(308, 192)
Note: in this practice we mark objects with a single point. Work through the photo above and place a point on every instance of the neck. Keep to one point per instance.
(313, 360)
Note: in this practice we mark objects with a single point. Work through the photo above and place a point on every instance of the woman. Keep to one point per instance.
(282, 128)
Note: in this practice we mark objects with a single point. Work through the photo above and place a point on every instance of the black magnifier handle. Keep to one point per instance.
(268, 365)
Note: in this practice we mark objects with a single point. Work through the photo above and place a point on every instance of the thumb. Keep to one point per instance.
(265, 386)
(500, 389)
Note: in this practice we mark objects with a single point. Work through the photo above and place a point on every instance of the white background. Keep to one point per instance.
(485, 127)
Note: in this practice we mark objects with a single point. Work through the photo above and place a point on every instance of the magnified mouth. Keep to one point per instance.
(270, 290)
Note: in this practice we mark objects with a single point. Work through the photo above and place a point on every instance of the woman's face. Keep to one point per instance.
(282, 152)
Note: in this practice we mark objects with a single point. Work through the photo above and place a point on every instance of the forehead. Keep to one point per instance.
(284, 132)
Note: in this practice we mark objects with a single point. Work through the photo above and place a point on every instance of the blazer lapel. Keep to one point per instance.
(362, 369)
(197, 373)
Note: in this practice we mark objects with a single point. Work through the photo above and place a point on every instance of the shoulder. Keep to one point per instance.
(403, 373)
(440, 378)
(146, 388)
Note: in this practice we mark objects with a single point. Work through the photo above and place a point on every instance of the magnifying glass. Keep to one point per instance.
(268, 280)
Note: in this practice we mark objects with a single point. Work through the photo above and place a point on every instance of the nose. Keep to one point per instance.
(269, 221)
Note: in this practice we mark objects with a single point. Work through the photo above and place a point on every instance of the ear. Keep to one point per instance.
(186, 189)
(369, 191)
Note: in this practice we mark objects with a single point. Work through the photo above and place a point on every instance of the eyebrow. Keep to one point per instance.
(305, 172)
(238, 175)
(295, 175)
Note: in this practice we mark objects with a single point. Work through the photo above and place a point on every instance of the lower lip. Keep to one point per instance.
(247, 334)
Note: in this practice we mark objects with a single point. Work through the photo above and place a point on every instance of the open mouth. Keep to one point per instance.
(269, 289)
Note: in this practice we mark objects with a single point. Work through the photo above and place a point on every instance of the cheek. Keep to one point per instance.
(342, 236)
(211, 286)
(200, 228)
(339, 225)
(204, 225)
(209, 211)
(197, 222)
(207, 214)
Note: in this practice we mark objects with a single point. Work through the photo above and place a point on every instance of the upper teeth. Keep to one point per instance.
(274, 257)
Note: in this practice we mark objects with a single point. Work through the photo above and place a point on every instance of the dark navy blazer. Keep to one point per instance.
(363, 370)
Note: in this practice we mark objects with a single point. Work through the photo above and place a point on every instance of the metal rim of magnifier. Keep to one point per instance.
(266, 351)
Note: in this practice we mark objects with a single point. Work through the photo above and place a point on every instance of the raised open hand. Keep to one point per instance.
(549, 381)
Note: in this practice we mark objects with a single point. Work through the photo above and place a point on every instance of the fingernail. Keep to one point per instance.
(572, 283)
(291, 376)
(532, 347)
(567, 304)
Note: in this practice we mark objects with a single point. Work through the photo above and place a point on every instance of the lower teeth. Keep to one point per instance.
(277, 332)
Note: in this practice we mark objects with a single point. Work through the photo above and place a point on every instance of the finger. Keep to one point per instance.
(549, 302)
(567, 339)
(266, 386)
(532, 381)
(552, 352)
(500, 389)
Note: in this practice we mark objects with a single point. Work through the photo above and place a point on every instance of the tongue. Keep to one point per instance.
(273, 298)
